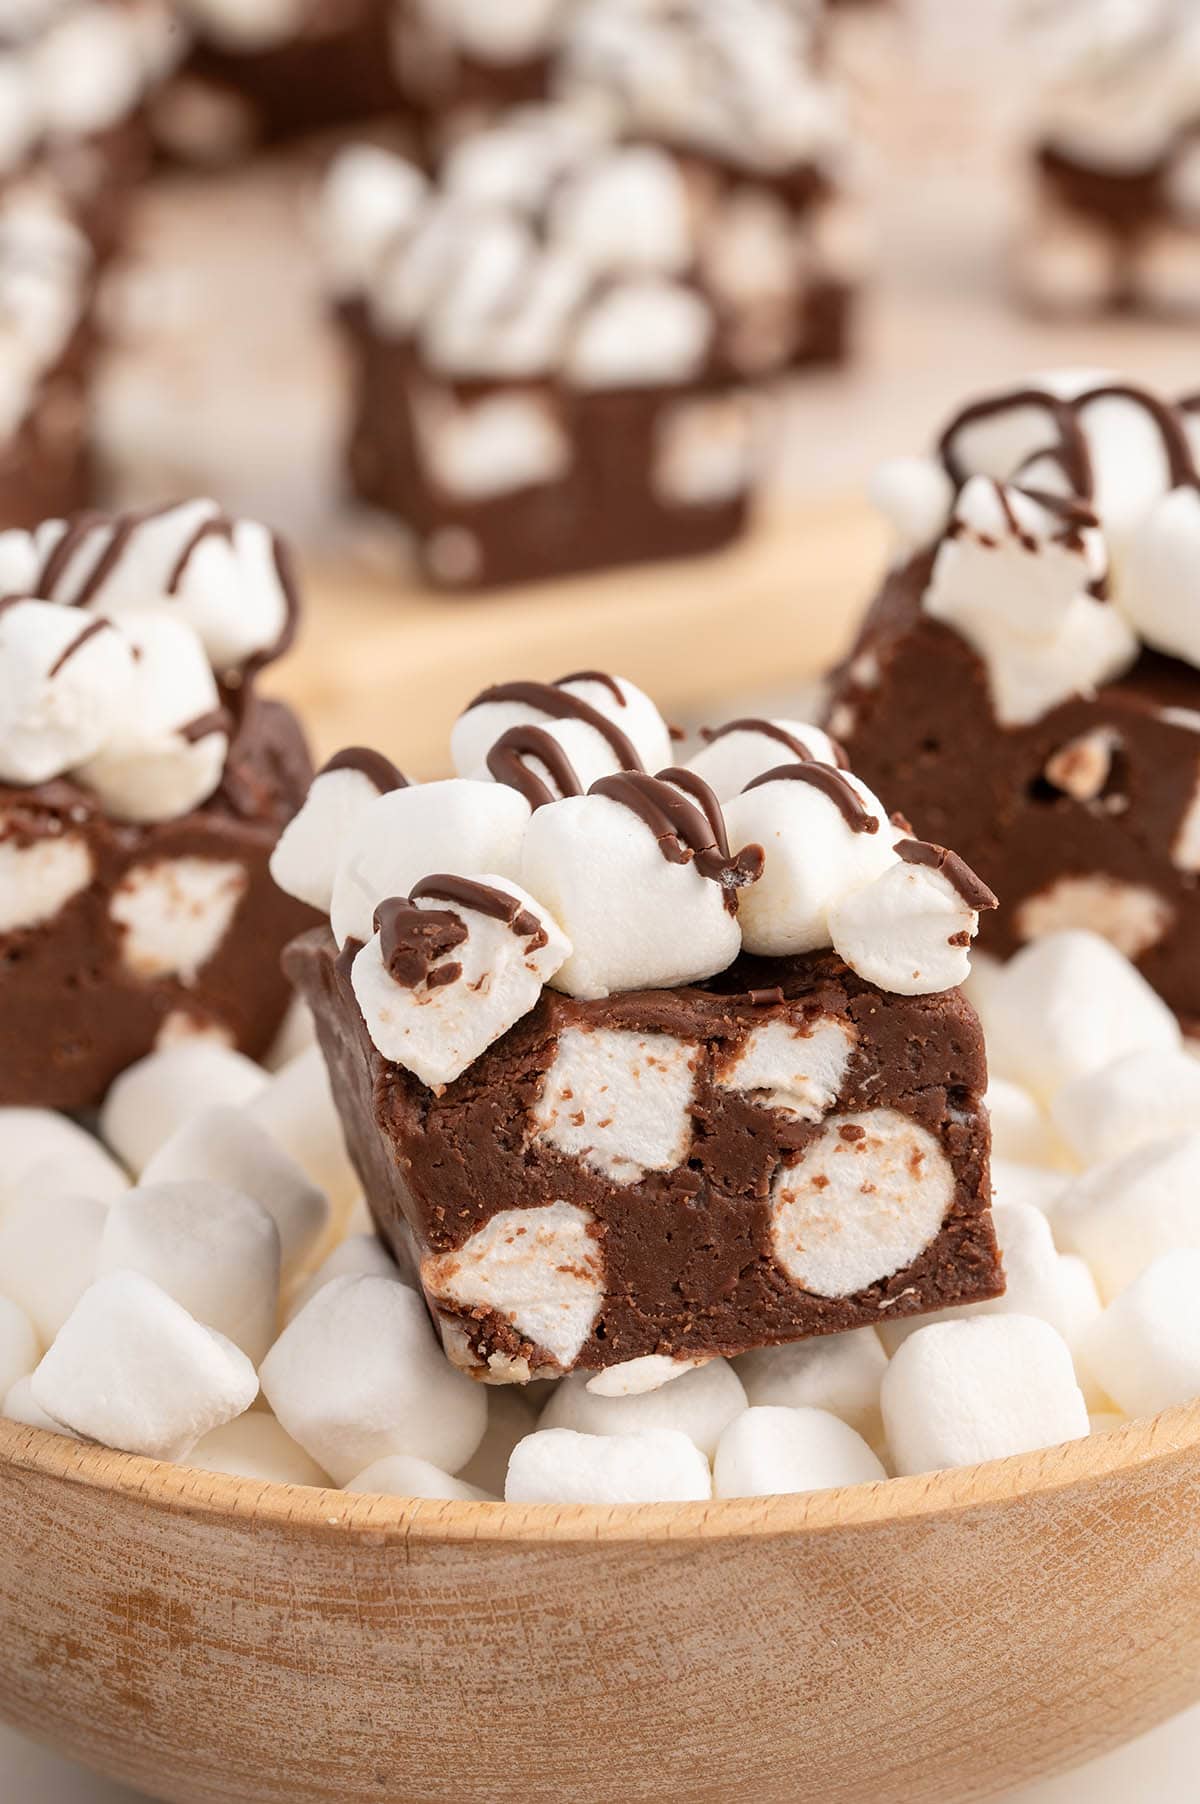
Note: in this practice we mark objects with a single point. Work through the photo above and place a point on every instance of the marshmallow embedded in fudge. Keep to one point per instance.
(800, 1073)
(556, 1465)
(961, 1392)
(1145, 1348)
(770, 1451)
(52, 1154)
(839, 1373)
(174, 913)
(357, 1375)
(215, 1250)
(167, 752)
(255, 1446)
(225, 1147)
(457, 826)
(309, 850)
(49, 1247)
(404, 1475)
(734, 754)
(65, 682)
(910, 930)
(1140, 1098)
(19, 1349)
(154, 1097)
(601, 725)
(1122, 1215)
(451, 968)
(640, 334)
(132, 1369)
(700, 1404)
(39, 876)
(618, 1100)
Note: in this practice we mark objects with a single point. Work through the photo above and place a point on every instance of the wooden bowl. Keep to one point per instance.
(937, 1638)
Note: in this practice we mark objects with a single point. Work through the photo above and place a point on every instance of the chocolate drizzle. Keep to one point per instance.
(687, 826)
(485, 899)
(560, 704)
(77, 644)
(379, 771)
(768, 729)
(594, 676)
(506, 762)
(217, 720)
(412, 940)
(216, 528)
(831, 783)
(972, 889)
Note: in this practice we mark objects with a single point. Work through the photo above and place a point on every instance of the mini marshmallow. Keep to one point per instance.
(212, 1249)
(961, 1392)
(778, 1066)
(64, 689)
(39, 878)
(49, 1246)
(296, 1034)
(1015, 1182)
(404, 1475)
(358, 1376)
(1157, 588)
(454, 826)
(1145, 1348)
(307, 853)
(296, 1108)
(635, 920)
(840, 1373)
(1139, 1098)
(512, 1414)
(174, 913)
(226, 1147)
(255, 1446)
(736, 754)
(155, 1096)
(18, 1406)
(641, 334)
(64, 1159)
(813, 859)
(478, 728)
(1067, 1005)
(1122, 1215)
(556, 1465)
(916, 496)
(770, 1452)
(370, 202)
(132, 1369)
(1020, 1129)
(163, 758)
(435, 1018)
(637, 1377)
(909, 930)
(618, 1100)
(357, 1256)
(628, 210)
(700, 1405)
(19, 1348)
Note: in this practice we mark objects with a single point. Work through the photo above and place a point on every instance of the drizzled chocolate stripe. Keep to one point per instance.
(218, 527)
(685, 829)
(485, 899)
(594, 676)
(560, 704)
(768, 729)
(957, 872)
(379, 771)
(121, 527)
(506, 762)
(77, 644)
(219, 720)
(831, 783)
(412, 940)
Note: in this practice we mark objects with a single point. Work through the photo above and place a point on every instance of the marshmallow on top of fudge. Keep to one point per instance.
(77, 68)
(1061, 521)
(556, 858)
(46, 274)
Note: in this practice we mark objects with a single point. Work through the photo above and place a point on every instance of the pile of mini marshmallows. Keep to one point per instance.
(610, 911)
(201, 1285)
(119, 694)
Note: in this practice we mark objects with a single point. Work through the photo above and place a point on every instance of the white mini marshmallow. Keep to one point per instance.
(66, 1161)
(1070, 1004)
(477, 729)
(226, 1147)
(635, 920)
(814, 858)
(780, 1066)
(370, 202)
(1145, 1348)
(865, 1198)
(436, 1029)
(908, 931)
(155, 1096)
(151, 767)
(637, 1377)
(641, 334)
(456, 826)
(39, 878)
(49, 1246)
(917, 497)
(1133, 917)
(618, 1100)
(841, 1373)
(19, 1346)
(730, 760)
(298, 1111)
(309, 850)
(555, 1465)
(296, 1034)
(358, 1376)
(626, 211)
(480, 448)
(174, 913)
(18, 1406)
(1020, 1128)
(1157, 589)
(1015, 1182)
(961, 1392)
(255, 1446)
(1139, 1098)
(64, 688)
(512, 1414)
(131, 1369)
(700, 1404)
(1122, 1215)
(404, 1475)
(357, 1256)
(771, 1452)
(539, 1268)
(215, 1250)
(707, 449)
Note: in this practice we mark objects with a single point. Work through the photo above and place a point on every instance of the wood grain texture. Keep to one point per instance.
(216, 1641)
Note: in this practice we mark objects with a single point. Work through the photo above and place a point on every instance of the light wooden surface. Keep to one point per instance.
(220, 1642)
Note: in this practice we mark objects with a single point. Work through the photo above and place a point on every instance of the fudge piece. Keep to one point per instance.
(644, 1068)
(1116, 215)
(1025, 687)
(143, 784)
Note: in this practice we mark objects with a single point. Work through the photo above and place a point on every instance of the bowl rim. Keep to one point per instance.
(380, 1520)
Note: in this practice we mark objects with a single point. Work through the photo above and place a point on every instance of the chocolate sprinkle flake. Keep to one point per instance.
(957, 872)
(831, 783)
